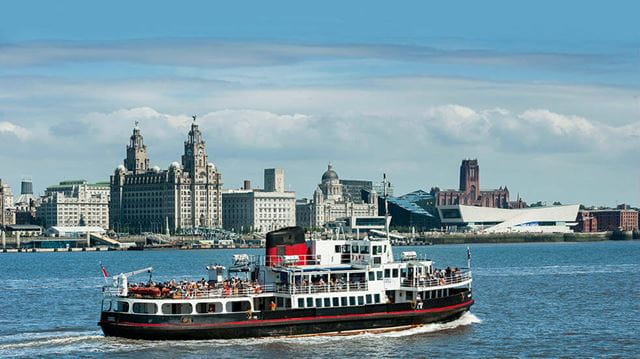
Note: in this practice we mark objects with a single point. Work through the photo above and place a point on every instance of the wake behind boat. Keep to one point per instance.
(298, 287)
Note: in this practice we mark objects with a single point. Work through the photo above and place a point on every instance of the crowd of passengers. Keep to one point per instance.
(236, 286)
(193, 289)
(441, 275)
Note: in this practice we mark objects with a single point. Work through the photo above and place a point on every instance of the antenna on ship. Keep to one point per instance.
(385, 183)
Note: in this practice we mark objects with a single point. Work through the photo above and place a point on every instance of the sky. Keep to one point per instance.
(546, 95)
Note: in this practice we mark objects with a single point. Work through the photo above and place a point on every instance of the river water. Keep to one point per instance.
(532, 300)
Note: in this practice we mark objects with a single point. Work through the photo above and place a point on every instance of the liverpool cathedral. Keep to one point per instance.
(178, 200)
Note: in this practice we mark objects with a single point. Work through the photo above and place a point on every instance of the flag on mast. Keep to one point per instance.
(104, 271)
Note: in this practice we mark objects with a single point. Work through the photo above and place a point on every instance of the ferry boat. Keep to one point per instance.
(299, 287)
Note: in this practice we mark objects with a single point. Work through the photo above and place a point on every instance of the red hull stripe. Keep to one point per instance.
(300, 319)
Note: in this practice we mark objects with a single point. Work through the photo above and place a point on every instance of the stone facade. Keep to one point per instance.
(329, 204)
(7, 212)
(75, 203)
(469, 192)
(256, 210)
(184, 197)
(27, 204)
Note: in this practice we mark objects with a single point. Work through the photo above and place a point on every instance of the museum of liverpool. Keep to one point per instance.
(556, 219)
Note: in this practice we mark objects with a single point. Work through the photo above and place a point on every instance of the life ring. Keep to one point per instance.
(249, 314)
(414, 304)
(186, 320)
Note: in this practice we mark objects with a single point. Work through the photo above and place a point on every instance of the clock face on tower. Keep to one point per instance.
(200, 152)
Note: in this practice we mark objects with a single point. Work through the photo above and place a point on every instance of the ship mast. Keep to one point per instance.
(385, 183)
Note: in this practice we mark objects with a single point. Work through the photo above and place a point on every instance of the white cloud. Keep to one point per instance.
(458, 124)
(20, 132)
(533, 130)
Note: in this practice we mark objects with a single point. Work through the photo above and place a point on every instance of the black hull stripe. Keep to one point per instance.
(289, 320)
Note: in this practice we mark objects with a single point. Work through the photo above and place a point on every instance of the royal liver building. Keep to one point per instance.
(177, 200)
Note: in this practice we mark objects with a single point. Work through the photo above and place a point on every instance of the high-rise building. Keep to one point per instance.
(184, 197)
(256, 210)
(274, 180)
(7, 212)
(469, 192)
(356, 190)
(75, 203)
(27, 203)
(329, 203)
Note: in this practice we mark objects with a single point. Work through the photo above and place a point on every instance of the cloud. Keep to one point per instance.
(218, 53)
(458, 124)
(533, 130)
(20, 132)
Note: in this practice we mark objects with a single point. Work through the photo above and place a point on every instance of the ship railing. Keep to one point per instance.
(436, 282)
(324, 288)
(211, 293)
(291, 260)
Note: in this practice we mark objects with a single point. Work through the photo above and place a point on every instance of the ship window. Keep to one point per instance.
(177, 308)
(106, 305)
(360, 300)
(211, 307)
(343, 301)
(395, 272)
(369, 299)
(374, 250)
(309, 302)
(338, 249)
(409, 295)
(336, 302)
(387, 273)
(238, 306)
(354, 249)
(318, 302)
(376, 298)
(352, 300)
(122, 307)
(300, 302)
(403, 272)
(364, 249)
(372, 276)
(346, 249)
(327, 302)
(379, 275)
(145, 308)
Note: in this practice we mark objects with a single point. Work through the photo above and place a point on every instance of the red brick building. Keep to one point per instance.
(604, 220)
(469, 192)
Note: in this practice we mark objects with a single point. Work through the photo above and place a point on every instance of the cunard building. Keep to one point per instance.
(178, 200)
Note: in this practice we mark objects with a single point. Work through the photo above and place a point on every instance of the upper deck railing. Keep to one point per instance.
(457, 278)
(222, 292)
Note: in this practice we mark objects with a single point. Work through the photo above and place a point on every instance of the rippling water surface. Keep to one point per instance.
(532, 300)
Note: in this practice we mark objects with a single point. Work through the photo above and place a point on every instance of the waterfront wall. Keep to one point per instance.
(459, 238)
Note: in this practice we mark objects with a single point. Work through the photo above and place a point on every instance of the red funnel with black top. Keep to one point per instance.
(288, 241)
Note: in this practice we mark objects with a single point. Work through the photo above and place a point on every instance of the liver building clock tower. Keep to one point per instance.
(200, 197)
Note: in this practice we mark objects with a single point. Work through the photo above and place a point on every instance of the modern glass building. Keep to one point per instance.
(415, 209)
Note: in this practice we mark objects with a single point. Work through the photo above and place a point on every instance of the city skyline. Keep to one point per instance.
(545, 106)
